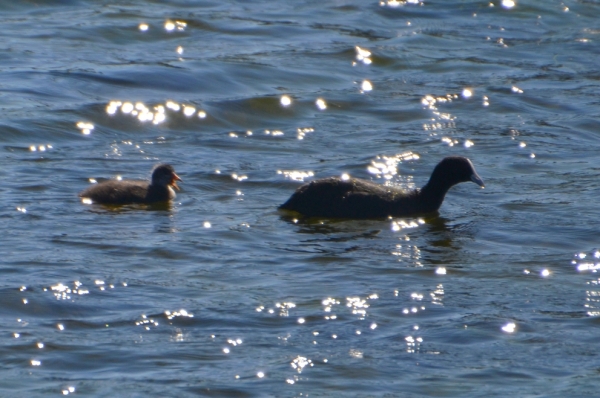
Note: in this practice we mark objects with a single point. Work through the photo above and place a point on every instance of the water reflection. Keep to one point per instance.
(63, 292)
(399, 3)
(358, 306)
(510, 327)
(40, 148)
(366, 86)
(387, 166)
(171, 26)
(155, 114)
(413, 344)
(321, 104)
(296, 175)
(85, 127)
(146, 323)
(508, 4)
(437, 295)
(302, 131)
(363, 55)
(590, 263)
(285, 101)
(300, 362)
(101, 208)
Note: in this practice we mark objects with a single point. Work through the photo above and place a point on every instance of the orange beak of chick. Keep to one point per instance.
(174, 180)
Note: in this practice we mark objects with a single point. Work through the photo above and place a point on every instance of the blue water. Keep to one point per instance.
(221, 294)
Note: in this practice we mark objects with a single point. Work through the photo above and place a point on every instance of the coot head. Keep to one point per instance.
(455, 169)
(164, 175)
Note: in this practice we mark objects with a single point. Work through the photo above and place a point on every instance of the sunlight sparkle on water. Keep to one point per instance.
(413, 344)
(181, 313)
(449, 141)
(127, 107)
(68, 390)
(440, 271)
(302, 131)
(321, 104)
(299, 363)
(387, 166)
(113, 106)
(285, 100)
(587, 265)
(366, 86)
(260, 375)
(284, 309)
(359, 306)
(356, 353)
(188, 110)
(399, 3)
(296, 175)
(240, 178)
(510, 327)
(328, 303)
(85, 127)
(363, 55)
(508, 4)
(173, 106)
(62, 292)
(399, 225)
(41, 148)
(171, 26)
(416, 296)
(274, 133)
(143, 27)
(467, 93)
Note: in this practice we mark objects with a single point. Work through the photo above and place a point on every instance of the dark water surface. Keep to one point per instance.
(221, 294)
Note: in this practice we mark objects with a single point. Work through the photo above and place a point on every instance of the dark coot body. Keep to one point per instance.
(160, 189)
(356, 198)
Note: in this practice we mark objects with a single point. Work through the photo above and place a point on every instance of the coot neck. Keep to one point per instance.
(159, 193)
(432, 195)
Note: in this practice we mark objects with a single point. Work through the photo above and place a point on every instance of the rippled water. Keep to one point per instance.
(221, 294)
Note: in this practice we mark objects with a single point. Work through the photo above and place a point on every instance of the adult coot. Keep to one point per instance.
(160, 189)
(356, 198)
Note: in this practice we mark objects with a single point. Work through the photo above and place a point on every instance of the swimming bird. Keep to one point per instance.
(356, 198)
(160, 189)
